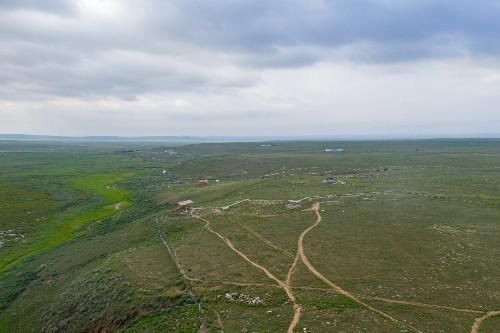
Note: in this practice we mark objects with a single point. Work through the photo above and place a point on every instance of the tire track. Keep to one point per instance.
(403, 302)
(219, 322)
(374, 298)
(335, 287)
(422, 305)
(233, 283)
(268, 243)
(283, 285)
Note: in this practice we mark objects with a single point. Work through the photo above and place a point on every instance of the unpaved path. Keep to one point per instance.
(480, 320)
(374, 298)
(287, 285)
(287, 288)
(268, 243)
(397, 301)
(297, 307)
(335, 287)
(219, 322)
(234, 283)
(422, 305)
(292, 269)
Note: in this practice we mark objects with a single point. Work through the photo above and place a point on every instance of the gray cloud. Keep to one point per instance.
(54, 6)
(220, 53)
(54, 47)
(263, 25)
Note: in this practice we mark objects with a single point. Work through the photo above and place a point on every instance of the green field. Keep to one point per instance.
(52, 231)
(407, 240)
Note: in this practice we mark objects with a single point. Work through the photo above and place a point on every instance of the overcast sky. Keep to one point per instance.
(260, 67)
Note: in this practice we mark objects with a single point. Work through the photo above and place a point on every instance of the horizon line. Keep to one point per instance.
(235, 138)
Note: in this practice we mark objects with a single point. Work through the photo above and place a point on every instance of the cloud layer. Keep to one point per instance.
(190, 67)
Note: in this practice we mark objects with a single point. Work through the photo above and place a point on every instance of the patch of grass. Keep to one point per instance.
(183, 318)
(23, 280)
(271, 316)
(410, 248)
(206, 257)
(333, 302)
(68, 224)
(429, 319)
(124, 287)
(58, 268)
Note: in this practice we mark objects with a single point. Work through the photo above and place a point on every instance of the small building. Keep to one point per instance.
(329, 180)
(184, 207)
(334, 150)
(202, 182)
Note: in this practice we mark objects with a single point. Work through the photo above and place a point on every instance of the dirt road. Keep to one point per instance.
(479, 321)
(335, 287)
(301, 256)
(297, 307)
(287, 288)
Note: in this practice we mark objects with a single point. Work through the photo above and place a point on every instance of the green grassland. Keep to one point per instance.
(410, 230)
(59, 227)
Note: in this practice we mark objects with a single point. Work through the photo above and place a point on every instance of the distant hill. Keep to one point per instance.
(28, 137)
(201, 139)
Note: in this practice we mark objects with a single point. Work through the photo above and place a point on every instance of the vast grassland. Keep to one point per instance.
(406, 241)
